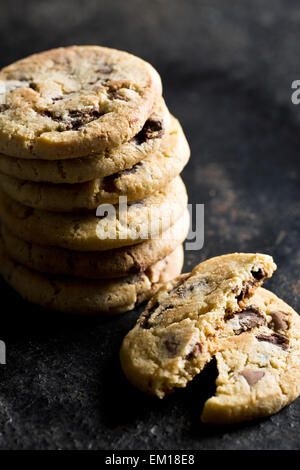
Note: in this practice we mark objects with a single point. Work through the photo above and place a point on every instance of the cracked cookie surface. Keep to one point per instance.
(137, 182)
(97, 265)
(110, 228)
(86, 296)
(74, 101)
(179, 331)
(259, 364)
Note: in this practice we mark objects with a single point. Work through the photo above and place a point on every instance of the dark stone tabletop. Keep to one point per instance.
(227, 69)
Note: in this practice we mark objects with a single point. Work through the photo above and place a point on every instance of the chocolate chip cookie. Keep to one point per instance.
(137, 182)
(259, 364)
(180, 329)
(74, 101)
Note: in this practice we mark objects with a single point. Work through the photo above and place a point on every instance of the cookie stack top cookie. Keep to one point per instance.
(75, 101)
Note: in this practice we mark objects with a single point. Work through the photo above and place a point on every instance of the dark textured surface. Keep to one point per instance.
(227, 69)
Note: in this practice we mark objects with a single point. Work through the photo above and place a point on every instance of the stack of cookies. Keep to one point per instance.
(93, 209)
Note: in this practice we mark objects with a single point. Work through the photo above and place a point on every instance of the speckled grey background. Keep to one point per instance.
(227, 69)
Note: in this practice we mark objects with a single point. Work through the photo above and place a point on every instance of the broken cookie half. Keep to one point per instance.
(259, 366)
(184, 324)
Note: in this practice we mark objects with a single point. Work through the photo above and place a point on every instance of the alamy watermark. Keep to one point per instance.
(195, 238)
(295, 96)
(2, 352)
(137, 221)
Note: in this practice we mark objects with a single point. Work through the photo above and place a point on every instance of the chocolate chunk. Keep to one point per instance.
(57, 98)
(144, 321)
(98, 81)
(153, 129)
(77, 118)
(3, 107)
(131, 170)
(195, 351)
(137, 268)
(76, 114)
(252, 375)
(94, 114)
(172, 344)
(178, 284)
(105, 68)
(276, 339)
(248, 318)
(167, 307)
(259, 275)
(116, 95)
(33, 86)
(279, 322)
(245, 292)
(51, 115)
(108, 182)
